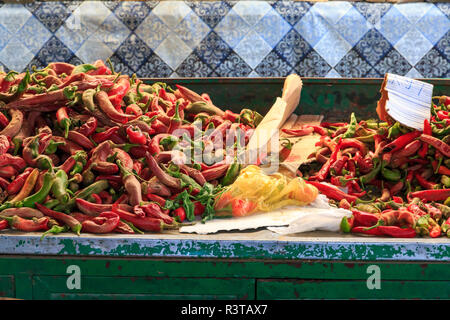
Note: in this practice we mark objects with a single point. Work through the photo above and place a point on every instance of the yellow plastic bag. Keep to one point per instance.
(254, 191)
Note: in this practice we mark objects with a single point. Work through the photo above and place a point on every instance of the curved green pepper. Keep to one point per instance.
(60, 185)
(39, 196)
(231, 174)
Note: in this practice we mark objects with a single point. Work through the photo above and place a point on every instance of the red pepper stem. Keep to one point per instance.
(379, 223)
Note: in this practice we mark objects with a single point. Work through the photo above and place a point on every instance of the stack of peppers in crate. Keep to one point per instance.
(395, 180)
(87, 149)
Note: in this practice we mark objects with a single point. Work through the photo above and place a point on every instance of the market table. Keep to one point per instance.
(253, 264)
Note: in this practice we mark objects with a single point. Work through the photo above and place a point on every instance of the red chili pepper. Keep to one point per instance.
(199, 208)
(146, 223)
(106, 135)
(96, 198)
(153, 210)
(401, 141)
(63, 120)
(111, 222)
(397, 232)
(88, 128)
(414, 208)
(3, 224)
(431, 195)
(7, 172)
(3, 120)
(17, 184)
(298, 132)
(135, 135)
(441, 170)
(338, 165)
(438, 144)
(180, 213)
(365, 219)
(229, 115)
(153, 197)
(333, 124)
(424, 183)
(364, 230)
(134, 109)
(29, 225)
(325, 170)
(109, 109)
(176, 120)
(443, 115)
(426, 130)
(332, 192)
(434, 212)
(65, 218)
(101, 68)
(285, 150)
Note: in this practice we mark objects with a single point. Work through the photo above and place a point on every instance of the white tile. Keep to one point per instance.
(232, 28)
(413, 73)
(13, 16)
(192, 30)
(413, 11)
(413, 46)
(171, 12)
(15, 55)
(252, 11)
(252, 49)
(94, 49)
(92, 14)
(152, 31)
(33, 35)
(272, 27)
(112, 32)
(332, 47)
(332, 11)
(173, 51)
(333, 74)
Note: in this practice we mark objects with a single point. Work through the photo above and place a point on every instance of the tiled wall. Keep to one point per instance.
(231, 38)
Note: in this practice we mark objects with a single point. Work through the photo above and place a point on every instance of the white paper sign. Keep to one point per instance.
(409, 100)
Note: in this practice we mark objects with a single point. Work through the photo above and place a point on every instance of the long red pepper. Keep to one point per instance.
(426, 130)
(440, 145)
(112, 221)
(401, 141)
(431, 195)
(325, 170)
(332, 192)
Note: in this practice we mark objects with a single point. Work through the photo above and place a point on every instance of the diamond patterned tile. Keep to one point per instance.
(393, 18)
(112, 32)
(433, 25)
(272, 27)
(373, 46)
(132, 13)
(312, 66)
(333, 74)
(171, 12)
(193, 67)
(52, 15)
(212, 49)
(232, 28)
(154, 67)
(352, 26)
(192, 30)
(291, 11)
(372, 11)
(53, 50)
(13, 16)
(152, 31)
(92, 14)
(373, 73)
(233, 66)
(433, 64)
(211, 12)
(252, 49)
(5, 35)
(33, 34)
(293, 48)
(312, 27)
(134, 51)
(352, 66)
(414, 11)
(273, 66)
(93, 49)
(413, 46)
(19, 59)
(443, 45)
(173, 51)
(444, 7)
(414, 74)
(252, 11)
(393, 62)
(73, 33)
(332, 11)
(332, 47)
(120, 66)
(36, 63)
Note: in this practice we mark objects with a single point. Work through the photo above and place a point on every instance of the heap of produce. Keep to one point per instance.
(86, 149)
(394, 179)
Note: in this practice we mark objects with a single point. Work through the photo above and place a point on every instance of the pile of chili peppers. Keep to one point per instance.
(86, 149)
(395, 180)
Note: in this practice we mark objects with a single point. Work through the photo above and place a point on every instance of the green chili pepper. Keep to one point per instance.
(440, 132)
(445, 180)
(246, 116)
(39, 196)
(371, 175)
(53, 146)
(88, 177)
(51, 203)
(257, 118)
(59, 188)
(169, 142)
(351, 128)
(44, 162)
(391, 175)
(77, 168)
(189, 182)
(55, 229)
(88, 99)
(232, 173)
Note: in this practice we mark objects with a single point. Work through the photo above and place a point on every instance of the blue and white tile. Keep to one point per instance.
(73, 33)
(443, 45)
(53, 50)
(393, 18)
(134, 51)
(433, 24)
(292, 48)
(13, 16)
(373, 46)
(171, 12)
(152, 31)
(112, 32)
(291, 11)
(272, 27)
(313, 65)
(193, 67)
(373, 12)
(5, 36)
(332, 47)
(252, 49)
(94, 49)
(333, 74)
(119, 65)
(413, 46)
(352, 66)
(434, 65)
(15, 55)
(33, 34)
(212, 49)
(173, 51)
(352, 26)
(192, 30)
(413, 73)
(444, 7)
(413, 11)
(232, 28)
(312, 27)
(52, 14)
(91, 14)
(393, 62)
(252, 11)
(132, 13)
(233, 66)
(273, 66)
(332, 11)
(154, 67)
(211, 12)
